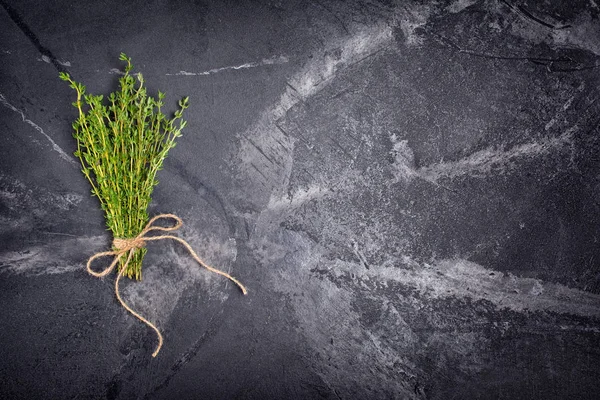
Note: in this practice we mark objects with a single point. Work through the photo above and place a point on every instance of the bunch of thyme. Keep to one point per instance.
(121, 146)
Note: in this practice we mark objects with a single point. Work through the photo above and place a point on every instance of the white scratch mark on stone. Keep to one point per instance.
(564, 108)
(116, 71)
(493, 161)
(462, 278)
(55, 146)
(47, 59)
(266, 61)
(460, 5)
(324, 67)
(52, 258)
(17, 197)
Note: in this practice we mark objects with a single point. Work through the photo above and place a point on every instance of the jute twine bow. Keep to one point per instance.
(124, 246)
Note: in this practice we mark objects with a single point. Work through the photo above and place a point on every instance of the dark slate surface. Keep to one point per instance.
(410, 191)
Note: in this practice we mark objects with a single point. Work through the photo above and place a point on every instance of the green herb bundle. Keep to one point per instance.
(122, 145)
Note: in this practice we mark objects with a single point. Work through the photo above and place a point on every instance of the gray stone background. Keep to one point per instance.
(410, 191)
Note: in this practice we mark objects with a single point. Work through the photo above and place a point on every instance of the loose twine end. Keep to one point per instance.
(128, 246)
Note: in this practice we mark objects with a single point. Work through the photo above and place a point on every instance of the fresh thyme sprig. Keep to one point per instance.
(122, 145)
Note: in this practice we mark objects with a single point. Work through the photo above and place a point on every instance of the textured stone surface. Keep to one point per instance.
(409, 190)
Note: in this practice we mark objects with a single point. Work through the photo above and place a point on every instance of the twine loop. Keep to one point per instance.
(128, 246)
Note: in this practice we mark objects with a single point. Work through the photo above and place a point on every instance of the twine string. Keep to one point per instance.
(128, 246)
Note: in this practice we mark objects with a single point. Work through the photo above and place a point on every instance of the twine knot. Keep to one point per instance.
(128, 246)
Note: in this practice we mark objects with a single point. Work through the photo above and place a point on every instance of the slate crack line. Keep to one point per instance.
(55, 146)
(446, 42)
(187, 356)
(259, 171)
(18, 20)
(261, 151)
(551, 64)
(527, 15)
